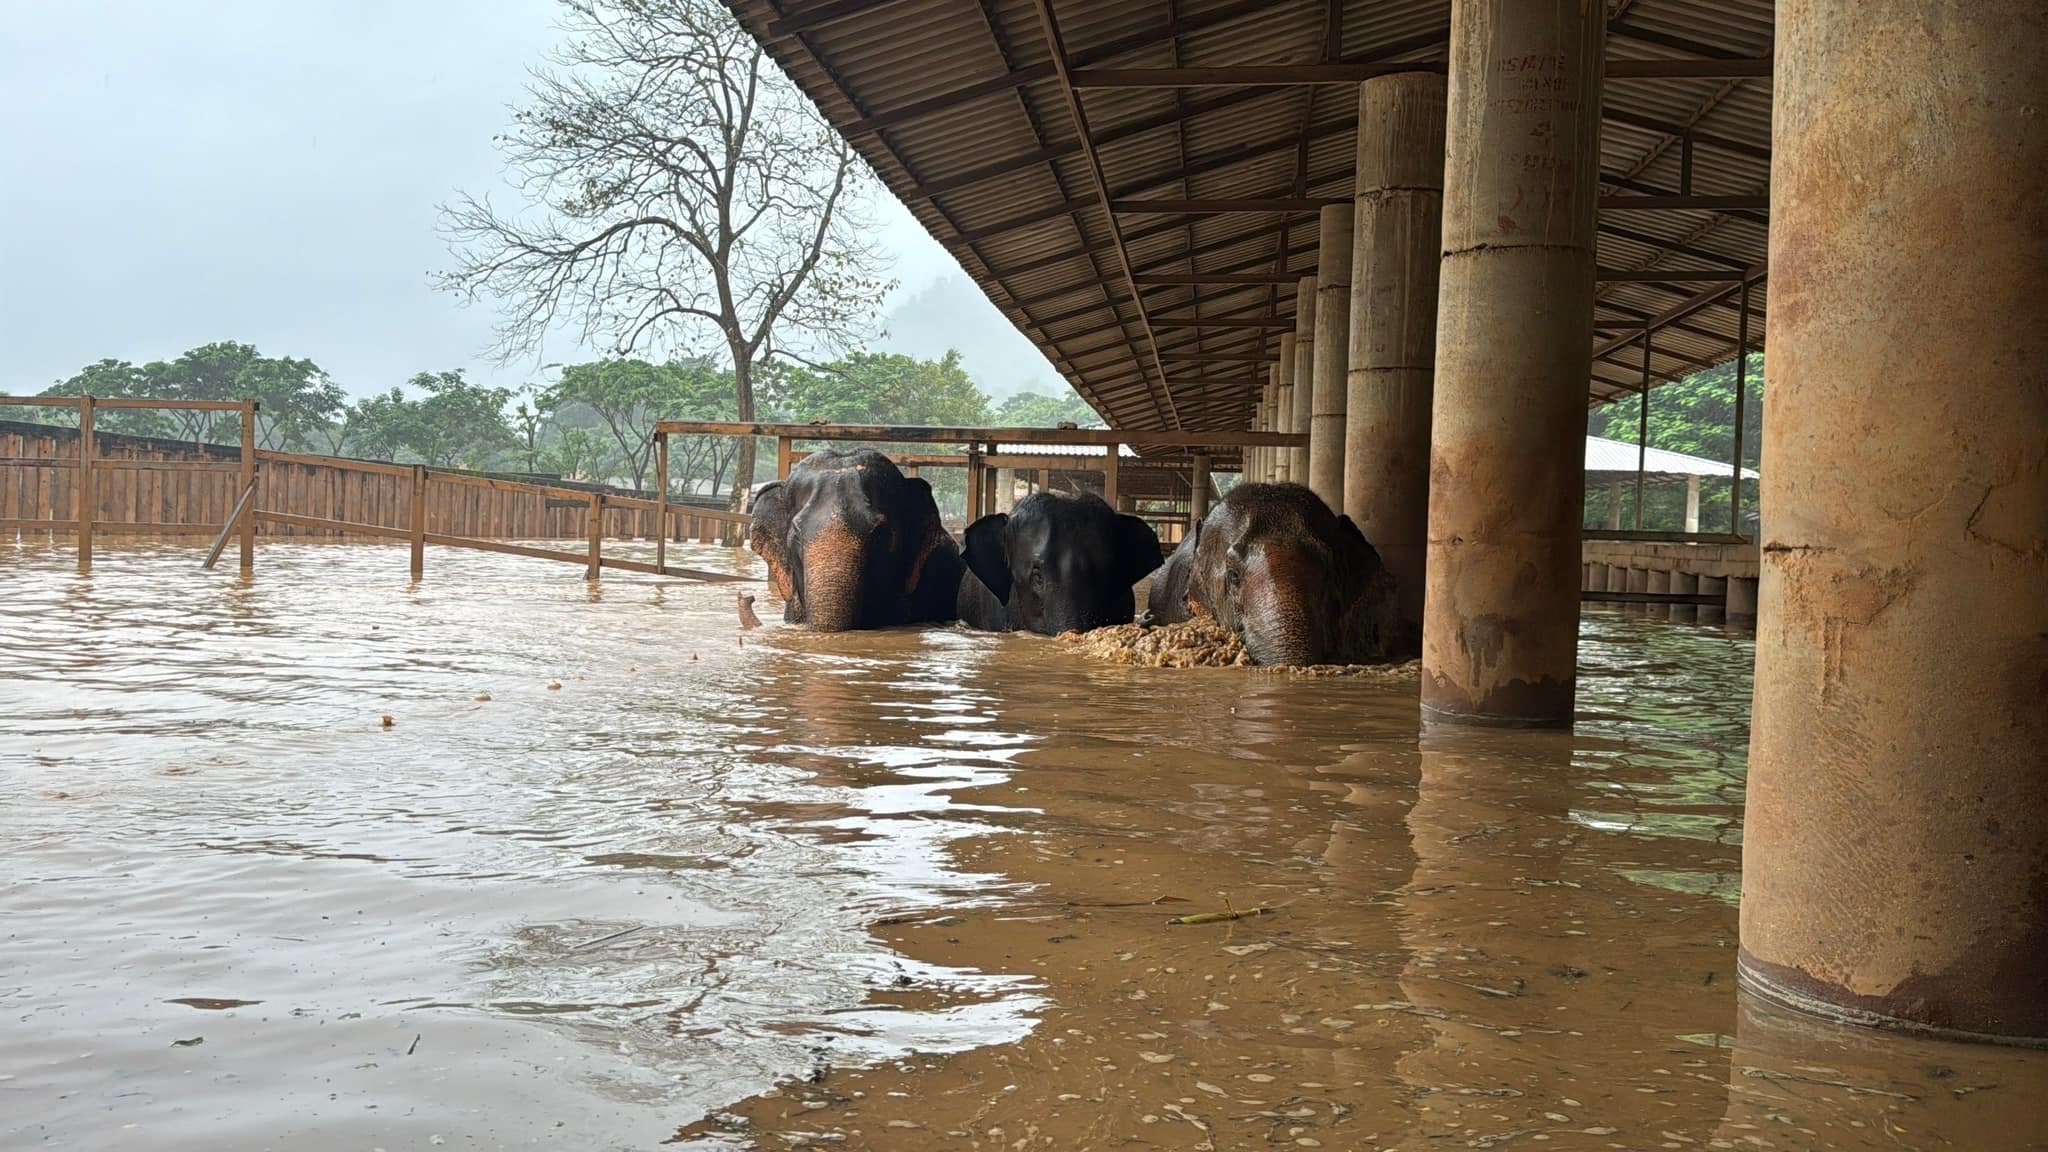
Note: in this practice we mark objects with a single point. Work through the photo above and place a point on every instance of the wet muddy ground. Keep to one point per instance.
(619, 876)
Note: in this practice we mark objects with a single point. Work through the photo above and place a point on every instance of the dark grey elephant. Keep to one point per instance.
(1298, 582)
(851, 542)
(1059, 563)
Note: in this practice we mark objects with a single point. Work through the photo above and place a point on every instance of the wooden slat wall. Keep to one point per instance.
(139, 500)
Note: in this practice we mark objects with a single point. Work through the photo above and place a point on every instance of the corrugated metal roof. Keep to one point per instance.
(960, 109)
(1619, 456)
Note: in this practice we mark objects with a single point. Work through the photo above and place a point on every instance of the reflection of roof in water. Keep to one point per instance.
(1617, 456)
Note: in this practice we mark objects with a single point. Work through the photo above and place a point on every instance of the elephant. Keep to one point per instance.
(1297, 582)
(1058, 563)
(851, 542)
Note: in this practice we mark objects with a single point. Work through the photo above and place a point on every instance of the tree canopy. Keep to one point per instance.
(1696, 416)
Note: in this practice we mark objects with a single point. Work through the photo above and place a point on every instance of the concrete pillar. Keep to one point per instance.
(1895, 865)
(1617, 578)
(1396, 250)
(1513, 354)
(1639, 579)
(1332, 356)
(1262, 421)
(1692, 503)
(1712, 613)
(1283, 405)
(1614, 507)
(1006, 489)
(1299, 415)
(1686, 583)
(1198, 494)
(1741, 599)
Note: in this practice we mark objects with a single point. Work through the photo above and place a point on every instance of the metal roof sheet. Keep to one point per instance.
(960, 110)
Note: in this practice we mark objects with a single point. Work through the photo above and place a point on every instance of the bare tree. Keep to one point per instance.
(683, 193)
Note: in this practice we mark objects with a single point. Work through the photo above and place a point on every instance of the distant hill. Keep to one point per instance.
(951, 312)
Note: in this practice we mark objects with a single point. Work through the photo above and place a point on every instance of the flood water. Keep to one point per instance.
(615, 876)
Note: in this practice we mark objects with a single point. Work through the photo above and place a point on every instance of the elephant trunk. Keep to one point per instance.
(1284, 622)
(835, 562)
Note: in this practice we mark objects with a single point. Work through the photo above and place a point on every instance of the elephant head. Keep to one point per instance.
(851, 542)
(1058, 563)
(1298, 582)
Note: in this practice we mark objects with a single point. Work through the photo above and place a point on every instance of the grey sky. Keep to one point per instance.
(270, 172)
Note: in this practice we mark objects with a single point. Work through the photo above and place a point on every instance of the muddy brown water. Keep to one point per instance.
(672, 886)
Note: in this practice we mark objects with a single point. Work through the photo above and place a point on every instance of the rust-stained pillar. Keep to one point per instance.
(1298, 415)
(1895, 859)
(1513, 354)
(1399, 232)
(1283, 404)
(1332, 354)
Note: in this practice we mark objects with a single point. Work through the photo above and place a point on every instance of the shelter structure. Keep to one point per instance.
(1557, 202)
(1617, 466)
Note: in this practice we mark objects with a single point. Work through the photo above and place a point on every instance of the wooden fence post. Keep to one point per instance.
(1109, 477)
(784, 451)
(660, 501)
(419, 521)
(248, 479)
(596, 536)
(83, 507)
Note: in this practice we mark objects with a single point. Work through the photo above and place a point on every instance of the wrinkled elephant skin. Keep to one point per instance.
(1059, 563)
(851, 542)
(1298, 582)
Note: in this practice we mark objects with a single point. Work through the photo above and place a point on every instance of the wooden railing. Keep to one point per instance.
(981, 458)
(295, 493)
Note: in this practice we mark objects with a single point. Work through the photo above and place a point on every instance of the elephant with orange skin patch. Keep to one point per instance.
(851, 542)
(1296, 581)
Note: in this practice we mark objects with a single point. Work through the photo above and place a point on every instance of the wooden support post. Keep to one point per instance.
(1198, 492)
(974, 471)
(83, 490)
(1109, 469)
(1045, 479)
(248, 481)
(783, 456)
(1741, 397)
(1643, 430)
(660, 501)
(419, 521)
(596, 536)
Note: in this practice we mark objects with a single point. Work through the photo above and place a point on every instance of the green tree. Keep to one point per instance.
(1037, 410)
(1696, 416)
(628, 396)
(454, 423)
(296, 399)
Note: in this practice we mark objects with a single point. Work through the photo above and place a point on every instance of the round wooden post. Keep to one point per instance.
(248, 481)
(660, 501)
(419, 521)
(596, 527)
(83, 491)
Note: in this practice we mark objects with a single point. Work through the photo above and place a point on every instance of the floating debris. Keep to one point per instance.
(554, 685)
(748, 621)
(1203, 643)
(1220, 917)
(483, 697)
(388, 722)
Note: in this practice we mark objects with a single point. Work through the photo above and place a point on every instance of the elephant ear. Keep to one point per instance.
(986, 557)
(768, 535)
(1137, 550)
(1351, 531)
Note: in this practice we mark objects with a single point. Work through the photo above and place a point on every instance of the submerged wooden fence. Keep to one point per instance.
(149, 486)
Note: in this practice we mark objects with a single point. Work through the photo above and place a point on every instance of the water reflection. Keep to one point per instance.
(615, 867)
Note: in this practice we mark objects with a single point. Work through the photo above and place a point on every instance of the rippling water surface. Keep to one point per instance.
(613, 871)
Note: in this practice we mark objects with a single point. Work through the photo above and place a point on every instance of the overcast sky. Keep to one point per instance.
(270, 172)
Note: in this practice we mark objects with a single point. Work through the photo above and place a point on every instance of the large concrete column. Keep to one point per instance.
(1332, 355)
(1513, 354)
(1304, 376)
(1283, 404)
(1895, 860)
(1398, 232)
(1255, 458)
